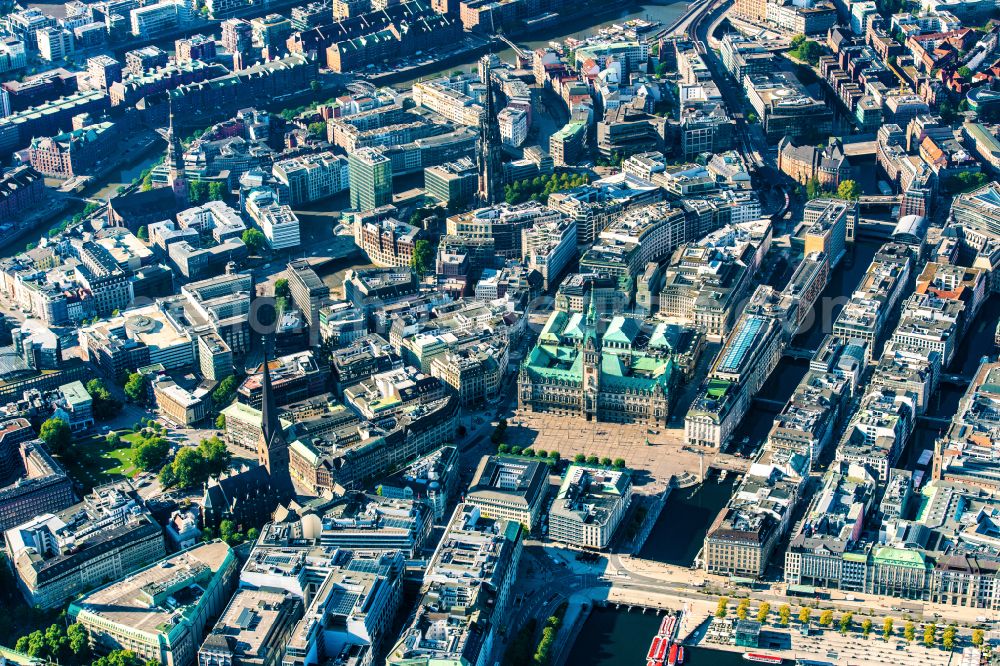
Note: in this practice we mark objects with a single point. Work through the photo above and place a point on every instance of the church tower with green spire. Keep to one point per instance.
(591, 362)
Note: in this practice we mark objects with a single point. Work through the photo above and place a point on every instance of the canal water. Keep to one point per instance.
(838, 291)
(680, 530)
(616, 637)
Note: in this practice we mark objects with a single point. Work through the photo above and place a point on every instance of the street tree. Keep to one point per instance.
(56, 434)
(254, 240)
(722, 607)
(150, 452)
(930, 634)
(887, 628)
(763, 611)
(189, 468)
(422, 259)
(848, 190)
(216, 456)
(805, 614)
(909, 632)
(224, 393)
(948, 637)
(227, 530)
(977, 637)
(845, 622)
(743, 609)
(866, 627)
(826, 618)
(105, 406)
(136, 387)
(784, 614)
(79, 641)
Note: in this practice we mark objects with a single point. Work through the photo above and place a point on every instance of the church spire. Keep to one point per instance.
(175, 158)
(272, 449)
(489, 150)
(270, 423)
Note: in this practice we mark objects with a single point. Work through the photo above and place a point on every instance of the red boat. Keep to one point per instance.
(653, 648)
(667, 626)
(672, 657)
(762, 658)
(662, 650)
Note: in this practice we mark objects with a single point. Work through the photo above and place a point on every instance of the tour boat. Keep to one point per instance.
(653, 647)
(661, 650)
(672, 657)
(667, 626)
(762, 658)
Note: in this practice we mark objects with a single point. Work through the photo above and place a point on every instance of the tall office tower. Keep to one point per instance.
(371, 179)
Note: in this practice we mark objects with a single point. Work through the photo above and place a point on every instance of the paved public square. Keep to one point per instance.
(664, 456)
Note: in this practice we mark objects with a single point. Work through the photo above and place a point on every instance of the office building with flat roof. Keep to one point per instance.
(452, 183)
(509, 489)
(253, 629)
(466, 593)
(358, 521)
(309, 293)
(56, 556)
(161, 613)
(590, 505)
(349, 600)
(32, 483)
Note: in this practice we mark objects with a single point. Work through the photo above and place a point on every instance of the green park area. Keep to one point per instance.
(94, 460)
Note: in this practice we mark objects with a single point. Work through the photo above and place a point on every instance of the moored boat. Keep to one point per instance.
(654, 647)
(661, 650)
(762, 658)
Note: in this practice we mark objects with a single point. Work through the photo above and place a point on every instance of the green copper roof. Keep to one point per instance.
(622, 331)
(555, 324)
(661, 338)
(575, 327)
(612, 365)
(900, 557)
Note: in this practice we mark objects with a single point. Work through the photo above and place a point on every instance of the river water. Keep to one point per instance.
(578, 27)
